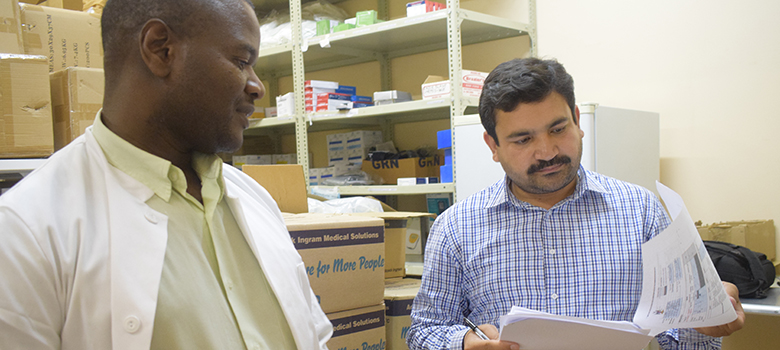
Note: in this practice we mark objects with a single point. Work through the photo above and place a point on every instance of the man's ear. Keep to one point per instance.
(492, 144)
(157, 47)
(577, 119)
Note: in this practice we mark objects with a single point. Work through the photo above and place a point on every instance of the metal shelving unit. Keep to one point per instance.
(448, 29)
(391, 190)
(19, 166)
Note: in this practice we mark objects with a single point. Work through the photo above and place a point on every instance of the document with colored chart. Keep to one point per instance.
(680, 289)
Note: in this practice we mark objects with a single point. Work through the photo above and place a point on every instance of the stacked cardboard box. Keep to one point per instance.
(11, 29)
(25, 100)
(399, 296)
(77, 96)
(362, 328)
(756, 235)
(67, 38)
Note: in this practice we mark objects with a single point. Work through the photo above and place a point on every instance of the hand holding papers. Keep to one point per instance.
(680, 288)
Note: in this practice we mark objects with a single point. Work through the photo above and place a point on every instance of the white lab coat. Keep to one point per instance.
(81, 256)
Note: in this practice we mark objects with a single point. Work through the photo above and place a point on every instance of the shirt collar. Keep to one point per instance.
(159, 174)
(585, 183)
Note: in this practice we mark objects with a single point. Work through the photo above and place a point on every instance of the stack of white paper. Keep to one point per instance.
(541, 331)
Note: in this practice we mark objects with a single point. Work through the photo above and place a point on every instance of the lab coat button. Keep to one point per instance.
(151, 217)
(132, 324)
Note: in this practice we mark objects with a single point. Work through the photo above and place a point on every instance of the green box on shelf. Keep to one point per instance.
(366, 18)
(343, 26)
(324, 26)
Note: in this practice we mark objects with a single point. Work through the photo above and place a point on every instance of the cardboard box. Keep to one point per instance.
(396, 223)
(76, 97)
(67, 38)
(25, 100)
(756, 235)
(344, 257)
(74, 5)
(10, 28)
(388, 171)
(362, 328)
(285, 183)
(399, 295)
(471, 83)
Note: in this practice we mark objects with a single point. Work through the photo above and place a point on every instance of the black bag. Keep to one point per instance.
(750, 271)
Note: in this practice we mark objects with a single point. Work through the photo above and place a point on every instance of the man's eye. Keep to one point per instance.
(242, 64)
(558, 130)
(523, 141)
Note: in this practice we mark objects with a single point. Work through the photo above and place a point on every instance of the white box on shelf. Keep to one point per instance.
(285, 104)
(391, 96)
(337, 157)
(336, 142)
(471, 82)
(252, 159)
(321, 84)
(289, 158)
(271, 112)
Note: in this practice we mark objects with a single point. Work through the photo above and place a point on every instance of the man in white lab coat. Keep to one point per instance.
(136, 236)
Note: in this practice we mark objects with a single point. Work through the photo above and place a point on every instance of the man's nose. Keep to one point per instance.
(254, 87)
(545, 149)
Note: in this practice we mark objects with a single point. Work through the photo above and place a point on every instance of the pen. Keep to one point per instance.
(476, 329)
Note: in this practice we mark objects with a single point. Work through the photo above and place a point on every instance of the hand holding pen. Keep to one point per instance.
(470, 342)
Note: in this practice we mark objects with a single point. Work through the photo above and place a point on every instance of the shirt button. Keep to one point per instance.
(132, 324)
(552, 251)
(554, 296)
(151, 217)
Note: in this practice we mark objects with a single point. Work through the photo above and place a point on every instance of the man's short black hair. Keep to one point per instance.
(525, 80)
(122, 20)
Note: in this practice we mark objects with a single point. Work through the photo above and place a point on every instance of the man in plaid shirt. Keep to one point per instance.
(550, 236)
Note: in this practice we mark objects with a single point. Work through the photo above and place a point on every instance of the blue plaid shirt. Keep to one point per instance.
(582, 257)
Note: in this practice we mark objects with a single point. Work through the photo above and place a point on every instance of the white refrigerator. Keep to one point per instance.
(620, 143)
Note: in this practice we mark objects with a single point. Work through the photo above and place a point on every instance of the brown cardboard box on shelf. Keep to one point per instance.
(10, 28)
(75, 5)
(67, 38)
(285, 183)
(25, 100)
(399, 295)
(362, 328)
(395, 239)
(76, 97)
(388, 171)
(344, 256)
(756, 235)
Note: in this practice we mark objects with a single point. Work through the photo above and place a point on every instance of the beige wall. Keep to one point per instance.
(712, 71)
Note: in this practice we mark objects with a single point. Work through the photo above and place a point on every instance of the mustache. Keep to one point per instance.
(546, 163)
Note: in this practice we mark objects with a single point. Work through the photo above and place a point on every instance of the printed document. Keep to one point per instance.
(680, 289)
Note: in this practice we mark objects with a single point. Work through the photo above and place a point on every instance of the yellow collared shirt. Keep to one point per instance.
(213, 293)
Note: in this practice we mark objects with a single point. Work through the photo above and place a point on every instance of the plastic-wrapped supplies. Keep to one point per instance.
(275, 27)
(345, 205)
